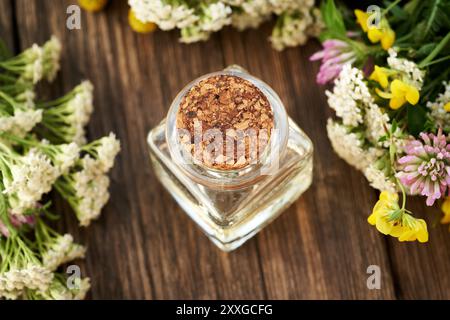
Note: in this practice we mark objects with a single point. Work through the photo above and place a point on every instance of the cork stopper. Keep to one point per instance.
(226, 122)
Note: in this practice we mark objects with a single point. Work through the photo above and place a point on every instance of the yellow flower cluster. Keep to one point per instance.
(392, 220)
(400, 91)
(376, 34)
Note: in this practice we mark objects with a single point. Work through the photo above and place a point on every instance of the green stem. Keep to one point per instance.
(435, 52)
(393, 4)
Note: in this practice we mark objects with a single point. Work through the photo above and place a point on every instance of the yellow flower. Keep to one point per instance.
(390, 219)
(388, 38)
(447, 107)
(380, 75)
(92, 5)
(386, 35)
(362, 17)
(139, 26)
(376, 34)
(446, 210)
(401, 92)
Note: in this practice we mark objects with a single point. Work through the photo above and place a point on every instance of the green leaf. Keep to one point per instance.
(332, 18)
(417, 118)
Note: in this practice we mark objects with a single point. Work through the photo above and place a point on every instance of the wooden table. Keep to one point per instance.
(145, 247)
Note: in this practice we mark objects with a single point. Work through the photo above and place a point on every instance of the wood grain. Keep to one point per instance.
(145, 247)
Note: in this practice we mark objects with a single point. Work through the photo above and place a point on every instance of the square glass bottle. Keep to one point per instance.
(231, 206)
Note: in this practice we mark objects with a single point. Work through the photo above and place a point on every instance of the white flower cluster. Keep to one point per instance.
(350, 146)
(66, 118)
(438, 113)
(59, 291)
(356, 135)
(350, 96)
(91, 191)
(30, 176)
(21, 122)
(294, 28)
(197, 20)
(40, 149)
(36, 62)
(32, 276)
(61, 251)
(409, 68)
(377, 124)
(378, 179)
(86, 188)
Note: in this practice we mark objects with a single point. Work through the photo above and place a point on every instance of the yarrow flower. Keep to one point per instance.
(392, 220)
(36, 62)
(197, 20)
(50, 58)
(350, 94)
(65, 118)
(26, 178)
(334, 55)
(40, 148)
(375, 173)
(56, 249)
(425, 169)
(440, 108)
(86, 186)
(104, 150)
(86, 190)
(21, 270)
(17, 117)
(410, 70)
(58, 290)
(350, 146)
(292, 28)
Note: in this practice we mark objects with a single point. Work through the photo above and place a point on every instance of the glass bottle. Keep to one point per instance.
(231, 206)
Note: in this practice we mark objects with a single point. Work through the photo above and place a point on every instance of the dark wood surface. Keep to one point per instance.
(145, 247)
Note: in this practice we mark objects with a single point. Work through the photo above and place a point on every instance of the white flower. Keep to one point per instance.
(51, 57)
(377, 124)
(215, 16)
(32, 276)
(105, 150)
(31, 176)
(350, 146)
(24, 121)
(66, 157)
(83, 286)
(92, 192)
(86, 190)
(291, 30)
(184, 16)
(62, 251)
(33, 69)
(82, 103)
(379, 180)
(66, 118)
(409, 68)
(437, 111)
(58, 290)
(350, 95)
